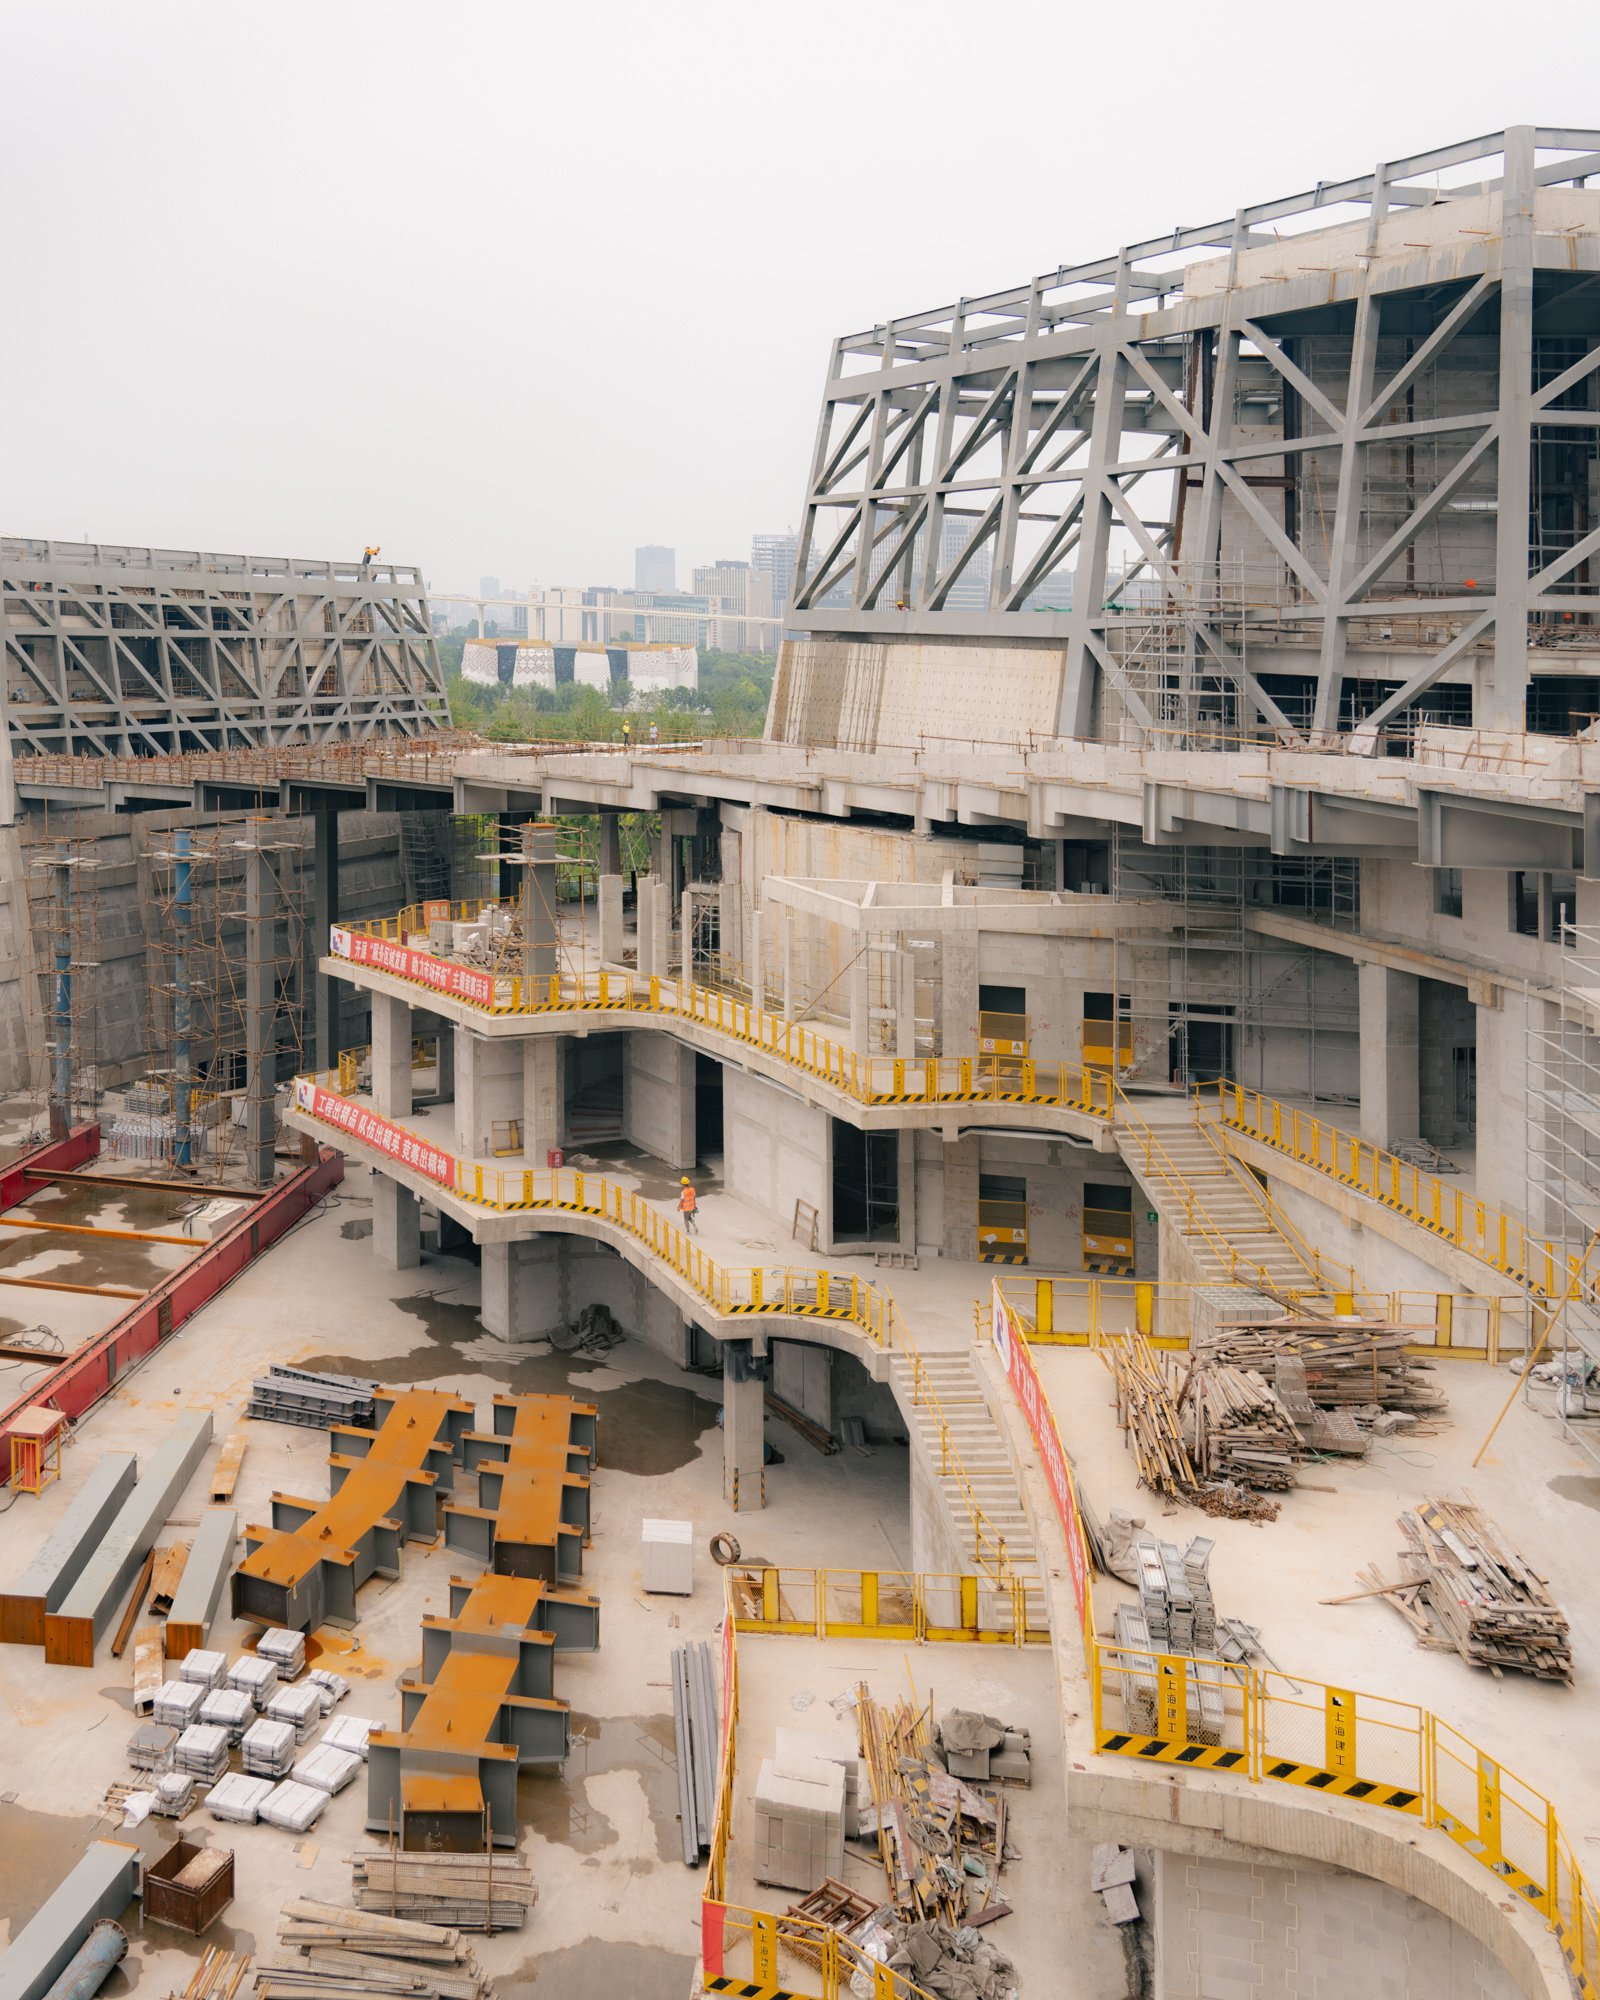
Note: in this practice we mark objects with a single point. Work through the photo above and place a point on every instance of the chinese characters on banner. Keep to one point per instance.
(1006, 1331)
(363, 1124)
(460, 982)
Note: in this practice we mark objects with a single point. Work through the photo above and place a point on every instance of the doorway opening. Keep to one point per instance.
(866, 1185)
(707, 1107)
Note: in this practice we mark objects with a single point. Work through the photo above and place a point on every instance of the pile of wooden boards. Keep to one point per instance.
(1147, 1409)
(1472, 1591)
(1241, 1429)
(351, 1954)
(470, 1892)
(1363, 1369)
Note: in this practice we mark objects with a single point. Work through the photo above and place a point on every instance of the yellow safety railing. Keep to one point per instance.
(868, 1079)
(1322, 1279)
(1083, 1311)
(789, 1291)
(1450, 1213)
(1269, 1728)
(884, 1604)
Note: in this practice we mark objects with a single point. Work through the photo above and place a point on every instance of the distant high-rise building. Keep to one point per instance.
(743, 597)
(970, 591)
(488, 586)
(655, 568)
(774, 557)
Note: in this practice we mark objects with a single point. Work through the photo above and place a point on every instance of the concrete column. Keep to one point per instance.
(1390, 1049)
(538, 901)
(655, 928)
(758, 959)
(391, 1056)
(744, 1483)
(958, 981)
(447, 1061)
(396, 1224)
(961, 1198)
(858, 979)
(608, 909)
(488, 1090)
(524, 1287)
(322, 991)
(686, 932)
(260, 1013)
(543, 1095)
(787, 955)
(610, 843)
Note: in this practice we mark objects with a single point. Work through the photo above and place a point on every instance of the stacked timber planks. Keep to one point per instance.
(1147, 1409)
(353, 1954)
(1364, 1369)
(469, 1892)
(1241, 1429)
(1480, 1594)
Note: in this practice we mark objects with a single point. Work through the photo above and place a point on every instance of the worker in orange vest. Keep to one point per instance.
(688, 1201)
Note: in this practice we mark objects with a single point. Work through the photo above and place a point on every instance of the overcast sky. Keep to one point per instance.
(509, 288)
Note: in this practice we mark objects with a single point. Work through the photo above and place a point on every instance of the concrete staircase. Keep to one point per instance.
(977, 1445)
(1219, 1209)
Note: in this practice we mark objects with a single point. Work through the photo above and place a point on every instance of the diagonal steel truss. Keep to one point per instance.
(119, 651)
(1091, 419)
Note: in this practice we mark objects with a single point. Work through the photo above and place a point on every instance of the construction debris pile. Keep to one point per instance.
(1463, 1588)
(354, 1954)
(933, 1803)
(1254, 1400)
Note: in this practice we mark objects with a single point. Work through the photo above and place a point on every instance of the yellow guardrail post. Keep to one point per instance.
(1044, 1303)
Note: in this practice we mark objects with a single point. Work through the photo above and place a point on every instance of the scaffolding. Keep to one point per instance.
(226, 1026)
(67, 872)
(1199, 1001)
(1563, 1092)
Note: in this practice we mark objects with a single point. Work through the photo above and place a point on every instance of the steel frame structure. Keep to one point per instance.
(1092, 413)
(113, 651)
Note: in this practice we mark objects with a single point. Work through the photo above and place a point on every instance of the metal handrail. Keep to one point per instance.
(1469, 1224)
(800, 1291)
(1159, 1161)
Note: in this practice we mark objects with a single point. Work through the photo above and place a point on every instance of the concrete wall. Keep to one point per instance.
(658, 1096)
(775, 1149)
(855, 695)
(1235, 1930)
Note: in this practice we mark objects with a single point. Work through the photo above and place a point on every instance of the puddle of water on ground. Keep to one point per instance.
(38, 1849)
(558, 1807)
(582, 1971)
(1582, 1487)
(647, 1427)
(353, 1232)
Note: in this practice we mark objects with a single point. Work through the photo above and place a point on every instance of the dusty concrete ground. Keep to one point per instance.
(1539, 1489)
(618, 1910)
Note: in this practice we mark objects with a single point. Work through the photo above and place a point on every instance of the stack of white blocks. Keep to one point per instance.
(799, 1822)
(668, 1561)
(825, 1746)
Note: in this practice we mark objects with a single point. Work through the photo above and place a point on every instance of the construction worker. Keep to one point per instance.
(688, 1202)
(655, 734)
(627, 734)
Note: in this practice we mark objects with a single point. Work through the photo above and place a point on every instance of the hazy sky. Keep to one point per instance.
(510, 288)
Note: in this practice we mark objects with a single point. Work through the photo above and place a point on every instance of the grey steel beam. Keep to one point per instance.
(71, 1633)
(44, 1584)
(205, 1574)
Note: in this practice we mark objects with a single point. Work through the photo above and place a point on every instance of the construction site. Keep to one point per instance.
(951, 1354)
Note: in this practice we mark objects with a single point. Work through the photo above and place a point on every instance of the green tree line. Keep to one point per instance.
(731, 701)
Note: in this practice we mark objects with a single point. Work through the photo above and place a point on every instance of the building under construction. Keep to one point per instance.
(1121, 1048)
